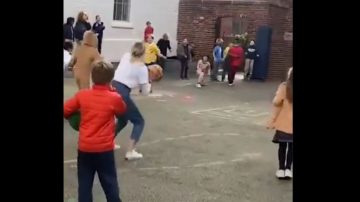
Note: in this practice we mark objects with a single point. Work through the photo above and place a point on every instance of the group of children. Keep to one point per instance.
(106, 107)
(229, 61)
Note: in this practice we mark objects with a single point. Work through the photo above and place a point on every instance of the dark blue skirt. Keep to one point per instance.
(282, 137)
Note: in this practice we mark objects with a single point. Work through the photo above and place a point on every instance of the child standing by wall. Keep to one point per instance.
(226, 65)
(236, 54)
(218, 59)
(202, 69)
(281, 121)
(97, 106)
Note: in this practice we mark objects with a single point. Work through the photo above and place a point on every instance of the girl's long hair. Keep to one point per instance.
(80, 16)
(289, 86)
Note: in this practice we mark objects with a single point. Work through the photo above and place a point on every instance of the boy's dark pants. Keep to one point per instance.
(99, 43)
(226, 67)
(104, 164)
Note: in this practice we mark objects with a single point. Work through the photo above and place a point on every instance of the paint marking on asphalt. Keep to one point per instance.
(171, 139)
(242, 158)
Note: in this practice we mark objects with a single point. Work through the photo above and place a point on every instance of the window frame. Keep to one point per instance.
(122, 23)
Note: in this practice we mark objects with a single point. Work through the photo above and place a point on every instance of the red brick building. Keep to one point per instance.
(199, 22)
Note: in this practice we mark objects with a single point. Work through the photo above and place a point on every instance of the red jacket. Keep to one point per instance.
(97, 106)
(236, 54)
(148, 31)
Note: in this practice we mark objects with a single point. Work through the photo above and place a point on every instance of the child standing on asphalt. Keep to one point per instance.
(98, 107)
(281, 121)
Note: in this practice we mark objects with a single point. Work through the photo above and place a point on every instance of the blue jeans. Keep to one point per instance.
(104, 164)
(132, 113)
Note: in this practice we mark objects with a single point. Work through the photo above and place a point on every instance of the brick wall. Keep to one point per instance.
(197, 20)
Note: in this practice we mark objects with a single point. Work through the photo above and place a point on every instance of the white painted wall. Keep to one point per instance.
(162, 14)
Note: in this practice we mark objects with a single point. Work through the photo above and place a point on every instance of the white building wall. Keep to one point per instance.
(119, 36)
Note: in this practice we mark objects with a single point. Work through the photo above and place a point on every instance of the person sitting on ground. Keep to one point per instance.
(203, 67)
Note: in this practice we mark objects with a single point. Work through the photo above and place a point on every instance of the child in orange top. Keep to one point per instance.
(97, 107)
(281, 121)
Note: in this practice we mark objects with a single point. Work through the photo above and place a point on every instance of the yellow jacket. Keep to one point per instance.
(151, 52)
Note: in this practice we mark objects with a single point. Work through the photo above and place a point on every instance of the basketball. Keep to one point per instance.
(155, 72)
(74, 121)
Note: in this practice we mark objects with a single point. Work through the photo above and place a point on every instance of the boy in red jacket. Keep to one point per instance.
(97, 107)
(236, 54)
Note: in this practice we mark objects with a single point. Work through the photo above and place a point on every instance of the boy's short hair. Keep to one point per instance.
(68, 45)
(102, 72)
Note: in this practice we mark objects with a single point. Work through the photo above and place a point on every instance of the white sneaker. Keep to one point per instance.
(133, 155)
(280, 174)
(117, 146)
(231, 84)
(198, 85)
(288, 173)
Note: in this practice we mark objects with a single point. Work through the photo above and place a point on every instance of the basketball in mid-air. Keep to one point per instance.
(155, 72)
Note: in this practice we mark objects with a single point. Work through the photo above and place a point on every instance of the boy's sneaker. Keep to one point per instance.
(288, 174)
(280, 174)
(198, 85)
(117, 146)
(133, 155)
(231, 84)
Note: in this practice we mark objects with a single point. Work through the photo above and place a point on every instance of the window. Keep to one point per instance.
(240, 25)
(121, 10)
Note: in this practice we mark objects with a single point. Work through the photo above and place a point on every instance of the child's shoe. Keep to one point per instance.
(288, 174)
(280, 174)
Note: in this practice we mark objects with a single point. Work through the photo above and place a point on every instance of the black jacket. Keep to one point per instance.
(99, 29)
(163, 46)
(80, 28)
(251, 52)
(68, 32)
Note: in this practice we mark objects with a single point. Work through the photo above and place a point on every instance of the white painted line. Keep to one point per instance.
(195, 135)
(208, 164)
(70, 161)
(238, 160)
(170, 167)
(154, 168)
(178, 138)
(212, 109)
(155, 95)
